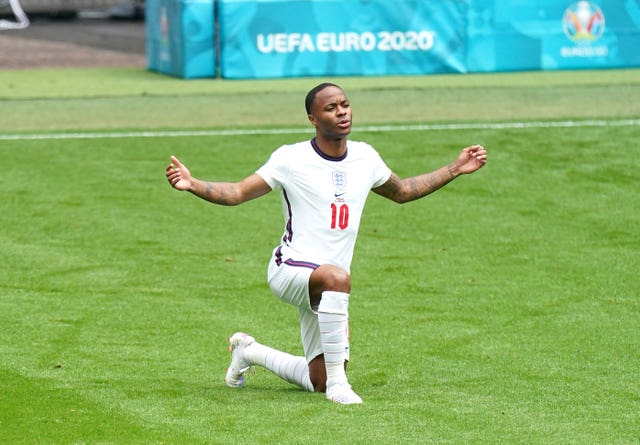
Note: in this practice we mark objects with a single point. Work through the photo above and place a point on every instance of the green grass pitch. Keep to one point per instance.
(502, 309)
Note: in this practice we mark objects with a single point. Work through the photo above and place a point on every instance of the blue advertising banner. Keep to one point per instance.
(602, 34)
(180, 37)
(504, 35)
(280, 38)
(294, 38)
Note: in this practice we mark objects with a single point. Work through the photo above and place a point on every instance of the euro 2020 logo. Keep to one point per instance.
(583, 22)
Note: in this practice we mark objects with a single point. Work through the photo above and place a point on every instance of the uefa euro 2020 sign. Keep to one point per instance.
(583, 24)
(289, 38)
(583, 21)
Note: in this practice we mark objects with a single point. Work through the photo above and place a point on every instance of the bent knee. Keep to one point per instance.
(327, 278)
(333, 278)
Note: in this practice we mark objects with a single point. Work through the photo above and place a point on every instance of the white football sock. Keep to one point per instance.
(293, 369)
(333, 319)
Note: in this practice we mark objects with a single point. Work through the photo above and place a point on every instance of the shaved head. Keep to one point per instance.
(311, 95)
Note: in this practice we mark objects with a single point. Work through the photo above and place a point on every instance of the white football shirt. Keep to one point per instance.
(323, 197)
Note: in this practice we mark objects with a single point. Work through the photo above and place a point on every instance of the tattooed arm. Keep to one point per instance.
(223, 193)
(409, 189)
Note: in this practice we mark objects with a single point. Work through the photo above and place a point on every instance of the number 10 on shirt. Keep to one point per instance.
(339, 216)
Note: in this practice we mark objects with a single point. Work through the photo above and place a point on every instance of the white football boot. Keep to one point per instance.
(343, 394)
(238, 367)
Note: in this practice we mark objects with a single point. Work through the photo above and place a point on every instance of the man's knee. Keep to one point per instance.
(339, 280)
(327, 277)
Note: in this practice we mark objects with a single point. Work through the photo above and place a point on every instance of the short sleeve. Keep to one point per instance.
(275, 169)
(380, 171)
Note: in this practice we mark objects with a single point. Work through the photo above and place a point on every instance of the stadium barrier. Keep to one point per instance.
(180, 37)
(294, 38)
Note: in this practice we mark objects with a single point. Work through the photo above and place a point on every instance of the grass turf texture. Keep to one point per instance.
(127, 98)
(502, 309)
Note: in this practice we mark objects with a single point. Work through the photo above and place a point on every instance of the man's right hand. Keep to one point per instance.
(178, 175)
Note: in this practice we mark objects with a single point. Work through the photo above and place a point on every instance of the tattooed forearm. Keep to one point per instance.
(419, 186)
(414, 188)
(218, 192)
(208, 191)
(450, 170)
(410, 189)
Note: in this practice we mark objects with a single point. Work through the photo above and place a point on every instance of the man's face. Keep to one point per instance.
(331, 113)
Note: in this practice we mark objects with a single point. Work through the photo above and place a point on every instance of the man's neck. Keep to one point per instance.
(334, 148)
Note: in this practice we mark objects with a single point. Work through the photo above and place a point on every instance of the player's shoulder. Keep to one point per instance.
(362, 145)
(295, 146)
(361, 148)
(288, 150)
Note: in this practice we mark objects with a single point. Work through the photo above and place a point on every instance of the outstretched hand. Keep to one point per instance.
(470, 159)
(178, 175)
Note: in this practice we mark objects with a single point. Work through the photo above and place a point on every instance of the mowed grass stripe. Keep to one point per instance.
(367, 128)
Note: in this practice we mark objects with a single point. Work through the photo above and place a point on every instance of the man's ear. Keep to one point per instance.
(312, 119)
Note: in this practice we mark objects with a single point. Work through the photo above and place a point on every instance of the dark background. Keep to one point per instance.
(87, 40)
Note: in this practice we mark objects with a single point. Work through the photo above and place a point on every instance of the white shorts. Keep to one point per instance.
(288, 278)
